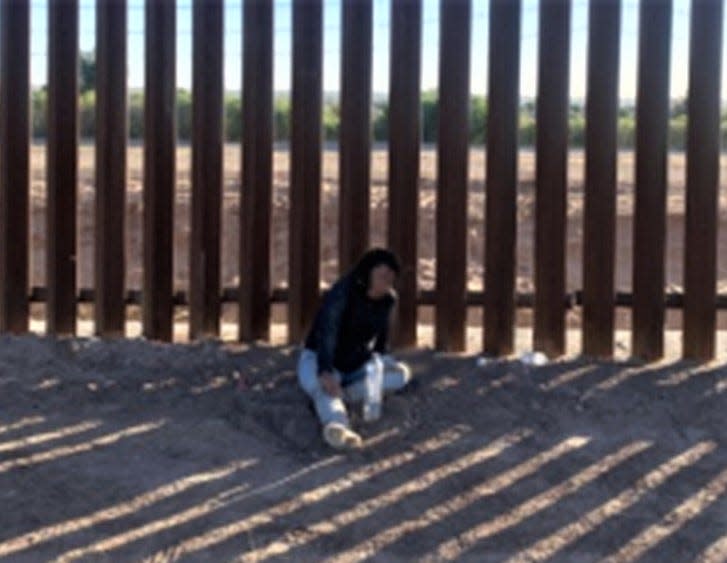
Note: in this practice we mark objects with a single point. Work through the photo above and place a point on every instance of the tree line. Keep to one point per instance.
(379, 119)
(331, 117)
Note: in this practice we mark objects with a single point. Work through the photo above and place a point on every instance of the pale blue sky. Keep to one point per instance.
(332, 38)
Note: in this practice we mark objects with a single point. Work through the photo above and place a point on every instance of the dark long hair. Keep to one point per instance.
(361, 272)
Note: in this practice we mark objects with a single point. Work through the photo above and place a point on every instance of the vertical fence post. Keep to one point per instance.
(355, 147)
(14, 171)
(207, 133)
(501, 177)
(599, 220)
(305, 169)
(257, 170)
(61, 165)
(159, 145)
(452, 180)
(404, 151)
(551, 176)
(109, 265)
(652, 119)
(703, 148)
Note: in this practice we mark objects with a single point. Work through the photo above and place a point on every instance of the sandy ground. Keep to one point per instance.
(131, 450)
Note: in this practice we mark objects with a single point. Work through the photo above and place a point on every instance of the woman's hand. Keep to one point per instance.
(330, 384)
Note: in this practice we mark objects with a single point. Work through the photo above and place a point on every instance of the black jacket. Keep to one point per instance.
(349, 326)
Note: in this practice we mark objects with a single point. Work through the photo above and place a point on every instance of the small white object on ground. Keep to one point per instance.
(482, 361)
(534, 359)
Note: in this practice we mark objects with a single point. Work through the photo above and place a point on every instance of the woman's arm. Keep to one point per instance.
(333, 306)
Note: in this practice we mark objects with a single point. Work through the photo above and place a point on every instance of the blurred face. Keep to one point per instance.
(381, 281)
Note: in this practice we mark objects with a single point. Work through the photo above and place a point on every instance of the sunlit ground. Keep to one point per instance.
(132, 450)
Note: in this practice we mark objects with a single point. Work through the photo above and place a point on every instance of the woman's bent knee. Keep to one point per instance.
(405, 371)
(397, 375)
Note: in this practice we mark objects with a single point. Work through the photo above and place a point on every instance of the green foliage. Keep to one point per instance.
(233, 118)
(379, 119)
(184, 115)
(87, 114)
(87, 71)
(678, 132)
(430, 117)
(136, 115)
(38, 112)
(626, 132)
(281, 118)
(528, 108)
(331, 120)
(577, 130)
(678, 108)
(478, 120)
(626, 111)
(526, 130)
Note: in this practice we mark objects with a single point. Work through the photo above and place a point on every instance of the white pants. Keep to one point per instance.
(332, 409)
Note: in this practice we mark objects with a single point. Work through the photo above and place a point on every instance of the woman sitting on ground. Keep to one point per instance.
(348, 345)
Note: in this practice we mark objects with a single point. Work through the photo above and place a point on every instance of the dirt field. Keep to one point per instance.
(130, 450)
(329, 210)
